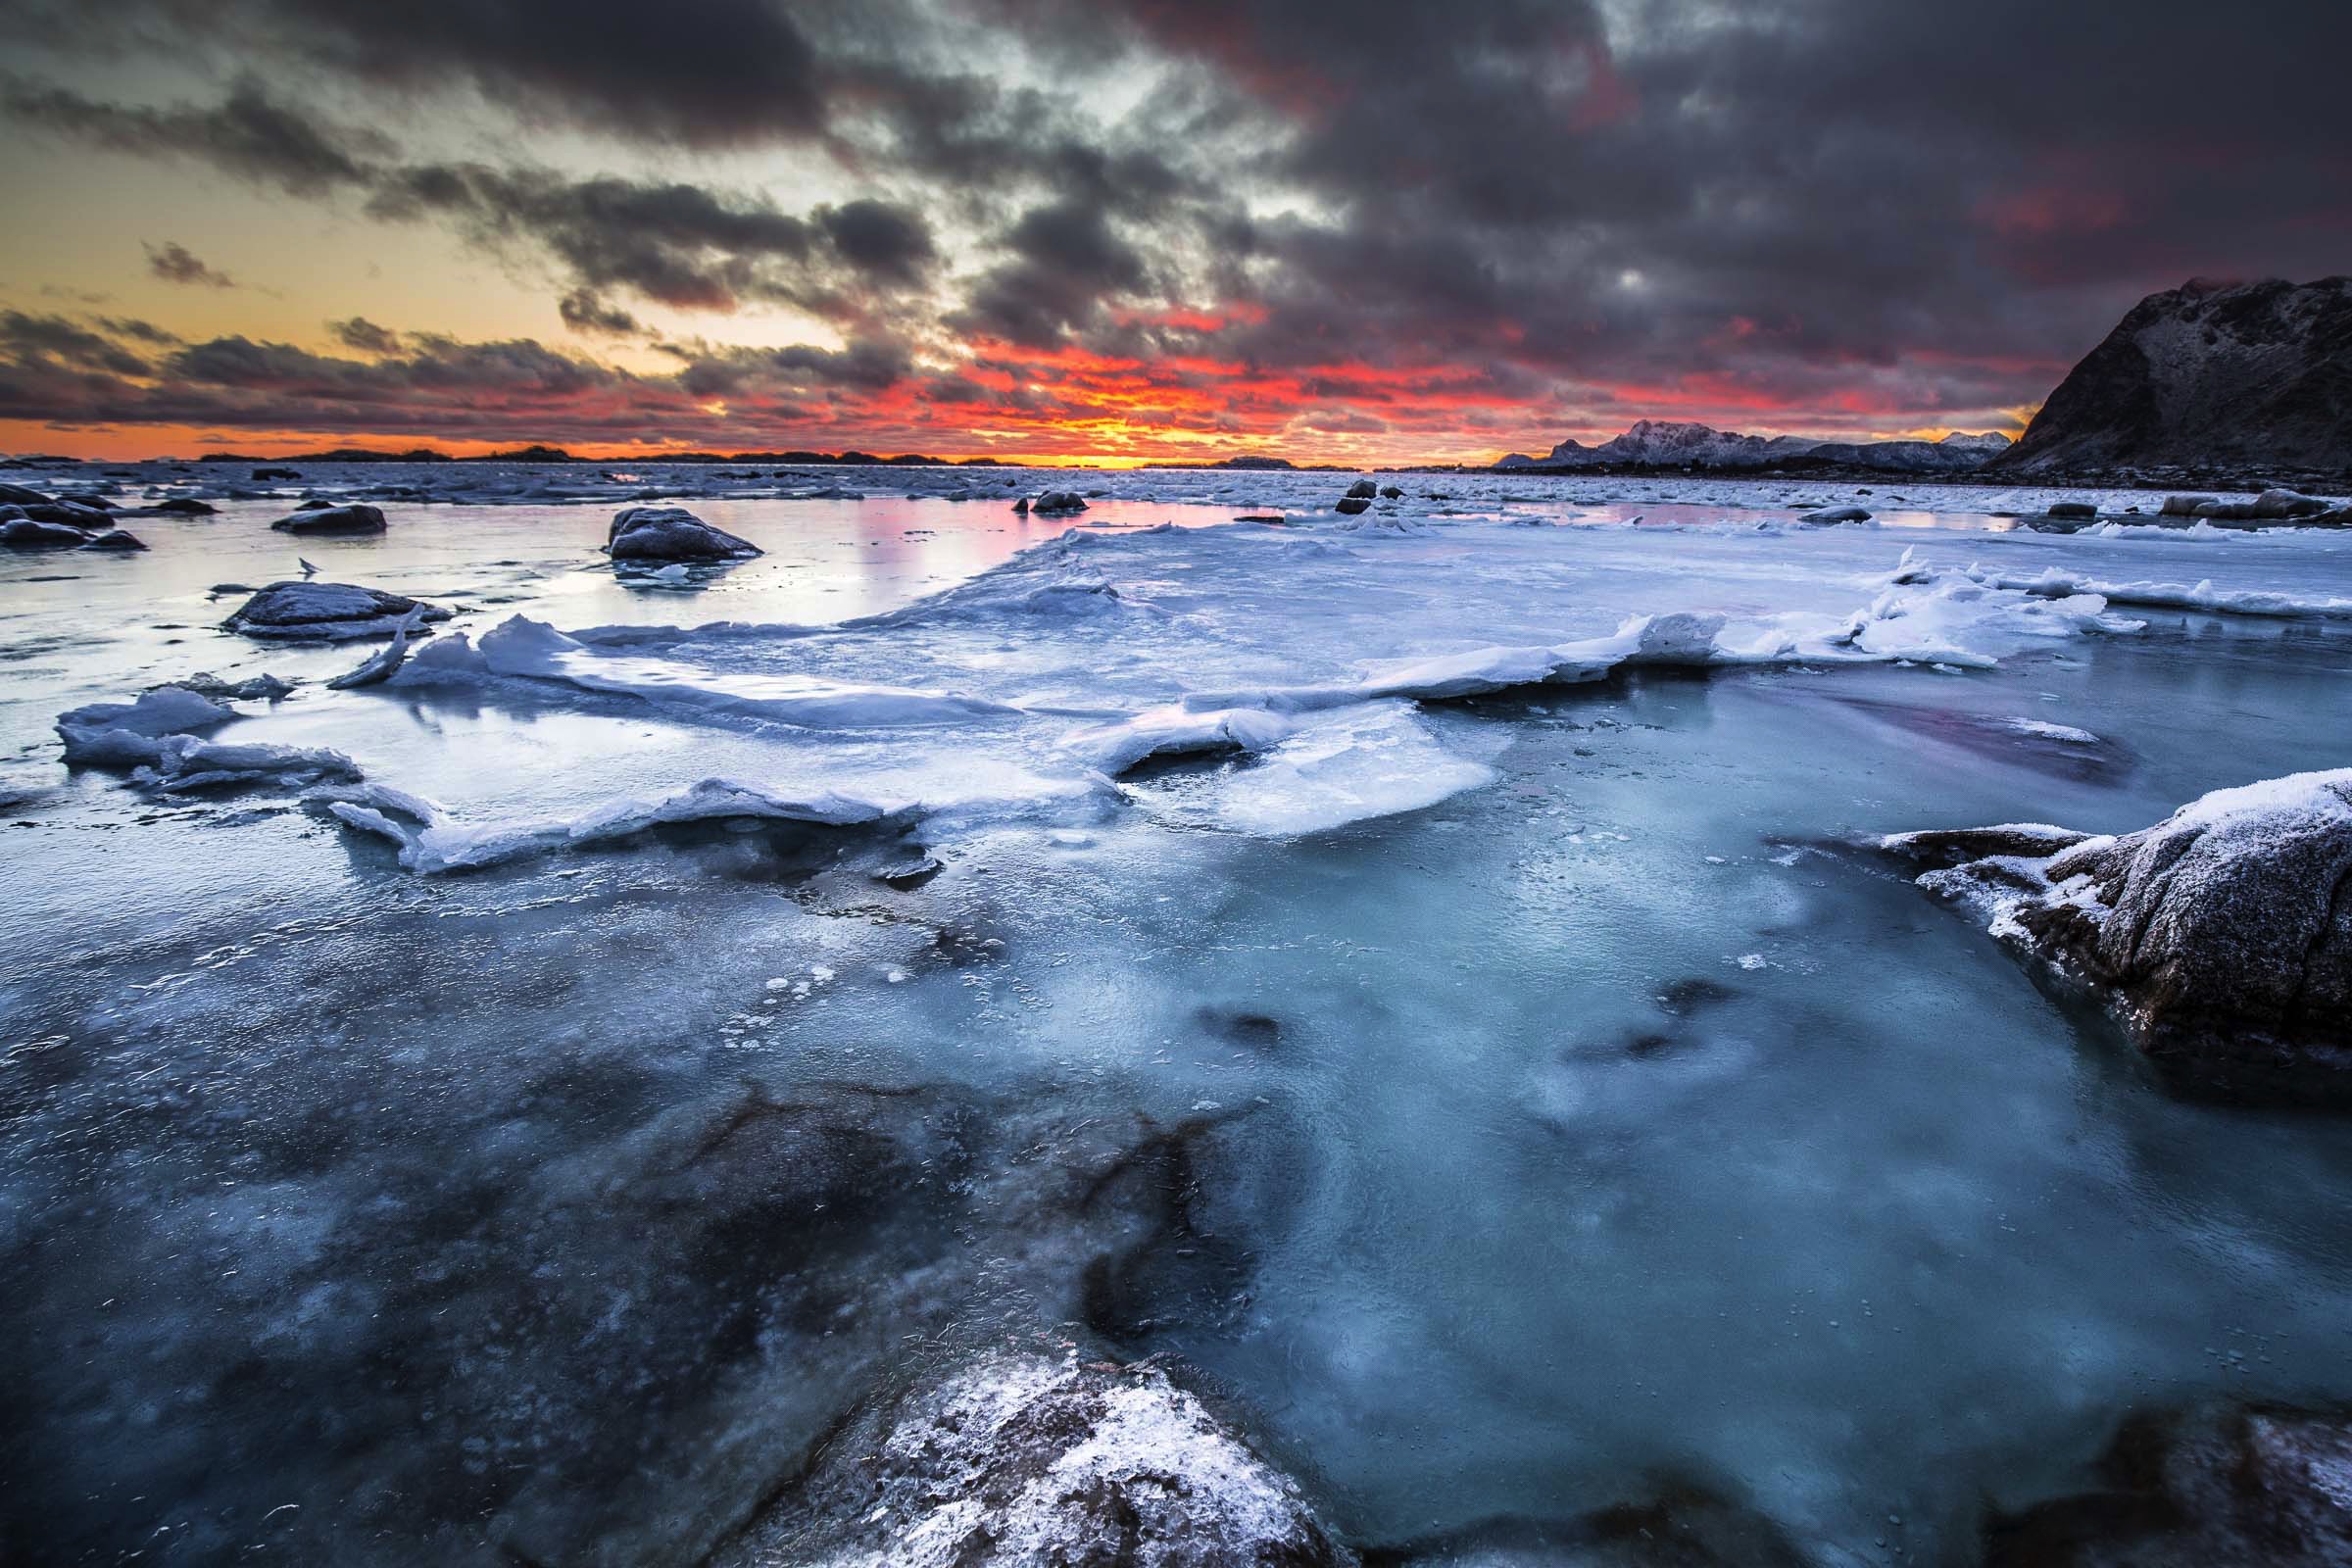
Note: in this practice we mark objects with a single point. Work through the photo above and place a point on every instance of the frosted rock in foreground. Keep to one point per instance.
(2222, 937)
(326, 612)
(356, 518)
(2254, 1485)
(672, 534)
(1019, 1460)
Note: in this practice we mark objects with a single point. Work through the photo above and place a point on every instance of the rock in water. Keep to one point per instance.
(2206, 375)
(355, 517)
(31, 533)
(1057, 501)
(1016, 1460)
(672, 534)
(2222, 937)
(1830, 516)
(116, 539)
(2260, 1486)
(326, 612)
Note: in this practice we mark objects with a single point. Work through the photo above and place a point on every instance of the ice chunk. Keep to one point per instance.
(126, 735)
(1369, 762)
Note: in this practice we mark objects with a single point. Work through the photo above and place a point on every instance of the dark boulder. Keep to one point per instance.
(69, 514)
(672, 534)
(2221, 937)
(32, 533)
(116, 539)
(1059, 502)
(183, 507)
(1363, 488)
(1350, 506)
(326, 612)
(2262, 1486)
(349, 518)
(17, 495)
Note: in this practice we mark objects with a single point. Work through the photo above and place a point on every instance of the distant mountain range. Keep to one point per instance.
(1670, 444)
(2206, 378)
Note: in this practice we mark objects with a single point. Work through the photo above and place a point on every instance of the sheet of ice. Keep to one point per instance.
(1781, 1180)
(1348, 765)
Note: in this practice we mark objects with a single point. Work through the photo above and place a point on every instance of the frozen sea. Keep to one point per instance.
(1409, 969)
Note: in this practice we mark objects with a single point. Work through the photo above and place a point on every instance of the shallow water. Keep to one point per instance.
(1591, 1126)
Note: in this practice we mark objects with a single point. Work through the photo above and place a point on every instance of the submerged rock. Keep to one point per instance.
(183, 507)
(2266, 1485)
(2072, 509)
(672, 534)
(326, 612)
(1829, 517)
(1018, 1458)
(1683, 1527)
(254, 688)
(2221, 937)
(352, 517)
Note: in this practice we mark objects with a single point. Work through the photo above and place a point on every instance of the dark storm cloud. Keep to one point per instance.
(173, 263)
(684, 245)
(54, 342)
(246, 134)
(1819, 210)
(1067, 263)
(583, 312)
(699, 72)
(359, 333)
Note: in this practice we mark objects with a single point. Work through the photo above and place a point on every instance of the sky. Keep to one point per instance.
(1120, 230)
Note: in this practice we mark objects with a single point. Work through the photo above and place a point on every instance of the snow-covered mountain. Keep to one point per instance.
(1674, 444)
(2207, 375)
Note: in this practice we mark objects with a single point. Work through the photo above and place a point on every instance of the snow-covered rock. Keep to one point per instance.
(2221, 937)
(351, 518)
(1830, 516)
(672, 534)
(1674, 444)
(326, 612)
(1017, 1458)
